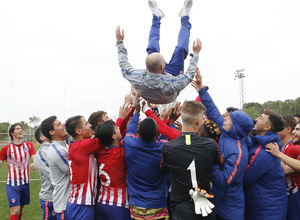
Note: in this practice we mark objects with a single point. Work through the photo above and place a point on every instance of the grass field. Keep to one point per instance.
(30, 212)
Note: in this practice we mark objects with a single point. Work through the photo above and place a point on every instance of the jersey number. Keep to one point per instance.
(102, 172)
(192, 168)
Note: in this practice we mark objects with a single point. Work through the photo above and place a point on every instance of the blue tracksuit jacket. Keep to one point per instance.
(264, 181)
(146, 183)
(228, 179)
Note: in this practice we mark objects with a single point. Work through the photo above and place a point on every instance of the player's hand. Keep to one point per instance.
(128, 98)
(197, 82)
(32, 166)
(119, 34)
(202, 205)
(178, 125)
(197, 45)
(273, 149)
(137, 104)
(124, 110)
(165, 114)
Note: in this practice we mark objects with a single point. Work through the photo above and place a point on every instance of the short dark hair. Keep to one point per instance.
(276, 120)
(47, 126)
(148, 130)
(289, 121)
(296, 115)
(12, 129)
(105, 131)
(38, 134)
(72, 124)
(95, 118)
(231, 109)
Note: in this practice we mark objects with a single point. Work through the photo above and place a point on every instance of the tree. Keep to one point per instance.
(34, 120)
(4, 127)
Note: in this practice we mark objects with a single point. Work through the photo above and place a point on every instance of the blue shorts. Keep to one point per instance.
(111, 212)
(293, 206)
(60, 216)
(48, 211)
(80, 212)
(18, 195)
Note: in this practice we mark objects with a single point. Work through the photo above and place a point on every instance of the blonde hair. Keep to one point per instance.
(190, 111)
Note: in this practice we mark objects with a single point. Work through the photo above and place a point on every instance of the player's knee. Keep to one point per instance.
(15, 210)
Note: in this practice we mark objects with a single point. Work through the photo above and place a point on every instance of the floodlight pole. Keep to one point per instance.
(240, 75)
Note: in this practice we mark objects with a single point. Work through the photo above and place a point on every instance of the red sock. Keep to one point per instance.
(14, 217)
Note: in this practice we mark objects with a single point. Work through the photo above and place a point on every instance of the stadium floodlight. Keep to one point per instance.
(240, 75)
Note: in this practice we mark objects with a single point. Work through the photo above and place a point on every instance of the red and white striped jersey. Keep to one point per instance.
(17, 158)
(112, 171)
(83, 169)
(292, 179)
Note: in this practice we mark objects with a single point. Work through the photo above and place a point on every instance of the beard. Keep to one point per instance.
(296, 141)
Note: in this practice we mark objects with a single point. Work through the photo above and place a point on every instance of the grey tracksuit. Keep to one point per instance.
(154, 87)
(59, 174)
(42, 164)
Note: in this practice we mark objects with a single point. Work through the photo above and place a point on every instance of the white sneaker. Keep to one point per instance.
(155, 10)
(185, 11)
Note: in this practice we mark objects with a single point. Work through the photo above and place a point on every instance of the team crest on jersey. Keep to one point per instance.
(53, 213)
(13, 200)
(25, 149)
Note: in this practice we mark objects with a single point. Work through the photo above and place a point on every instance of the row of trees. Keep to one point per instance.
(28, 129)
(287, 107)
(254, 109)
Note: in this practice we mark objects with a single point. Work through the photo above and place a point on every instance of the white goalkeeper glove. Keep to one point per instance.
(202, 205)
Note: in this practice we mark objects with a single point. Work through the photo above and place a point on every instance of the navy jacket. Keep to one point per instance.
(228, 179)
(264, 181)
(146, 183)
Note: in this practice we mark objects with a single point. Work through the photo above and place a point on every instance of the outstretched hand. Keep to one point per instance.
(197, 82)
(124, 110)
(197, 45)
(119, 34)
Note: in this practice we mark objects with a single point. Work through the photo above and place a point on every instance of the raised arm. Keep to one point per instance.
(182, 80)
(122, 53)
(133, 124)
(211, 109)
(162, 127)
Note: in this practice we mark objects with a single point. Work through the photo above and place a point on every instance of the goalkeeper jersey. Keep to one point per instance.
(189, 158)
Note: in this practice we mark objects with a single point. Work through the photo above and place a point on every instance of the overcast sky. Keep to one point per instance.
(59, 57)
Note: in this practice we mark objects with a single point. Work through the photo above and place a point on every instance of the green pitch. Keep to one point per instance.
(32, 211)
